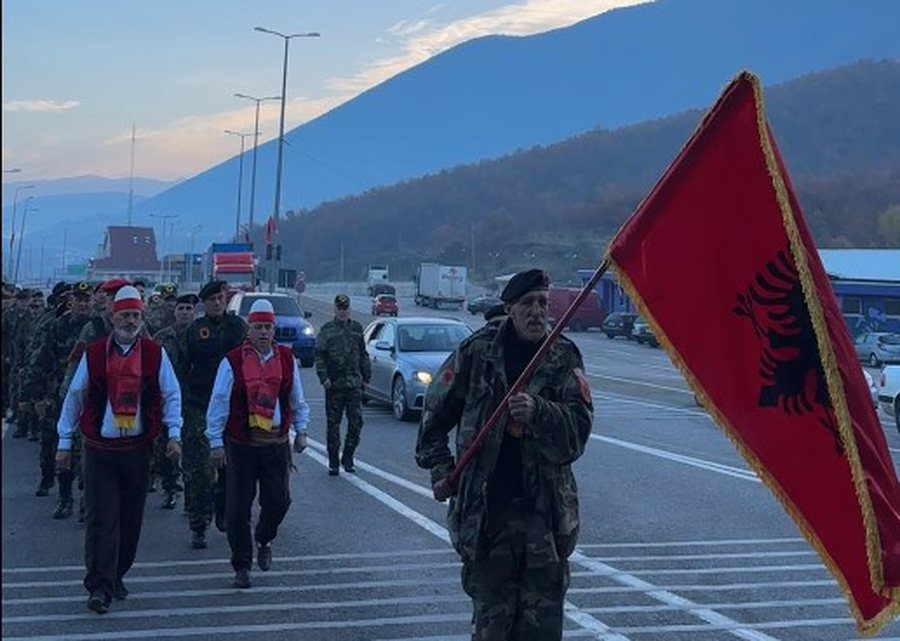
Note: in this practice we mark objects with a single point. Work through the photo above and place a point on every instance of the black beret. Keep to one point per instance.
(22, 294)
(82, 288)
(36, 293)
(138, 282)
(61, 286)
(524, 282)
(191, 299)
(212, 288)
(342, 299)
(495, 311)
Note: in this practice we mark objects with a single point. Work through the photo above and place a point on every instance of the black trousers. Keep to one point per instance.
(115, 490)
(249, 465)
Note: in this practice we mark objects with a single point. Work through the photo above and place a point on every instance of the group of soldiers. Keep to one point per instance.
(43, 341)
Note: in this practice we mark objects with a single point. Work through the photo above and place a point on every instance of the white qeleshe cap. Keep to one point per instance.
(262, 312)
(127, 298)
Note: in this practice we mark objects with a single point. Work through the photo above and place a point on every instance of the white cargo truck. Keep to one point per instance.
(440, 285)
(376, 275)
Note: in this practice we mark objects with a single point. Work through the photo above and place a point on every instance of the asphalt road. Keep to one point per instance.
(679, 539)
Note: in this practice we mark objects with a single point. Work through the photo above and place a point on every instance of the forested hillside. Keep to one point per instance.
(558, 205)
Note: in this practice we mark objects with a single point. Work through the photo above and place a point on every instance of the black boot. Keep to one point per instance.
(333, 464)
(65, 506)
(347, 461)
(47, 481)
(21, 431)
(169, 500)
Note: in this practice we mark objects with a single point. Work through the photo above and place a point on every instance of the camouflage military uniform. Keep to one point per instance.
(342, 360)
(54, 344)
(23, 330)
(514, 532)
(159, 317)
(173, 340)
(207, 340)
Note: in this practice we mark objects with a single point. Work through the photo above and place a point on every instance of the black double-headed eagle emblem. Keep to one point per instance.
(790, 367)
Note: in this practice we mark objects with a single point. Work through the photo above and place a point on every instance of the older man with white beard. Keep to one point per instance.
(122, 393)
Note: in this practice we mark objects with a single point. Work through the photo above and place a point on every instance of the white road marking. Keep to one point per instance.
(635, 381)
(727, 470)
(602, 630)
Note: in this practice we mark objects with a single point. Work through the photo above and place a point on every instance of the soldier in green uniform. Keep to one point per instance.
(26, 419)
(159, 311)
(343, 368)
(514, 521)
(174, 340)
(46, 369)
(208, 339)
(13, 312)
(8, 302)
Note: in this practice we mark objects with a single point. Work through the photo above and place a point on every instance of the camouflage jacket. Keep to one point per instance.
(52, 350)
(464, 392)
(159, 317)
(174, 341)
(22, 332)
(98, 326)
(341, 355)
(207, 341)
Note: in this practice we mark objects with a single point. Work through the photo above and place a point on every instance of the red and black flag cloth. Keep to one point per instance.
(719, 260)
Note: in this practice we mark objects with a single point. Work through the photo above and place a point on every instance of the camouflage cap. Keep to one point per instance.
(169, 290)
(82, 288)
(212, 288)
(342, 300)
(527, 281)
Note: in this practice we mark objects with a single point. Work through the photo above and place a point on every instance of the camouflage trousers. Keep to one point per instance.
(204, 493)
(48, 438)
(337, 403)
(162, 466)
(512, 601)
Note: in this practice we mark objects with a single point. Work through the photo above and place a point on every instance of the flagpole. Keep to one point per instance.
(447, 486)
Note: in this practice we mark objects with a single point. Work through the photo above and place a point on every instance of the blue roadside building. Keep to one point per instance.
(866, 284)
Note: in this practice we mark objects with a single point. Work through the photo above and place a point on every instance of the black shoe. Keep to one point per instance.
(98, 602)
(220, 521)
(44, 487)
(348, 467)
(333, 471)
(242, 579)
(264, 556)
(120, 591)
(63, 509)
(81, 510)
(198, 540)
(169, 501)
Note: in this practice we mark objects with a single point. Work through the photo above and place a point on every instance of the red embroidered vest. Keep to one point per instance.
(96, 397)
(237, 427)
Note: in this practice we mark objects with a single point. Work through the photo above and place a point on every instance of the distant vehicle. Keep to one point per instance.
(376, 275)
(405, 354)
(878, 348)
(440, 285)
(480, 304)
(382, 288)
(220, 249)
(619, 324)
(589, 314)
(384, 304)
(889, 391)
(291, 327)
(641, 332)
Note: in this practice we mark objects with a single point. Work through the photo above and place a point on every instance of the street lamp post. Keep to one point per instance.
(237, 223)
(273, 275)
(12, 227)
(193, 232)
(28, 208)
(255, 145)
(162, 253)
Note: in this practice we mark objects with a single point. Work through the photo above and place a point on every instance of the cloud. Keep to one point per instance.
(42, 105)
(422, 39)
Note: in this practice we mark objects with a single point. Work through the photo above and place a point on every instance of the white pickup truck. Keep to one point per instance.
(889, 391)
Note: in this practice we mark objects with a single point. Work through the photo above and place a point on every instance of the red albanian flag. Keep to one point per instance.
(721, 263)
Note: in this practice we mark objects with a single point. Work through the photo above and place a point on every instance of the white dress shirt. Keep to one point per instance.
(220, 402)
(73, 405)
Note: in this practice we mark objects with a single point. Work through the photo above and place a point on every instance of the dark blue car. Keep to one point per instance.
(291, 327)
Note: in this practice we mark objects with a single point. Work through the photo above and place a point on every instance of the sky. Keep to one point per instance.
(78, 75)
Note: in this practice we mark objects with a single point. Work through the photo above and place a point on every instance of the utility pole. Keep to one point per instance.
(131, 179)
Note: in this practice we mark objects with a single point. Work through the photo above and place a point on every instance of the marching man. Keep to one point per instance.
(122, 393)
(256, 398)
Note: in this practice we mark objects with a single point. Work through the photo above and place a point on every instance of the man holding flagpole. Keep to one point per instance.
(514, 521)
